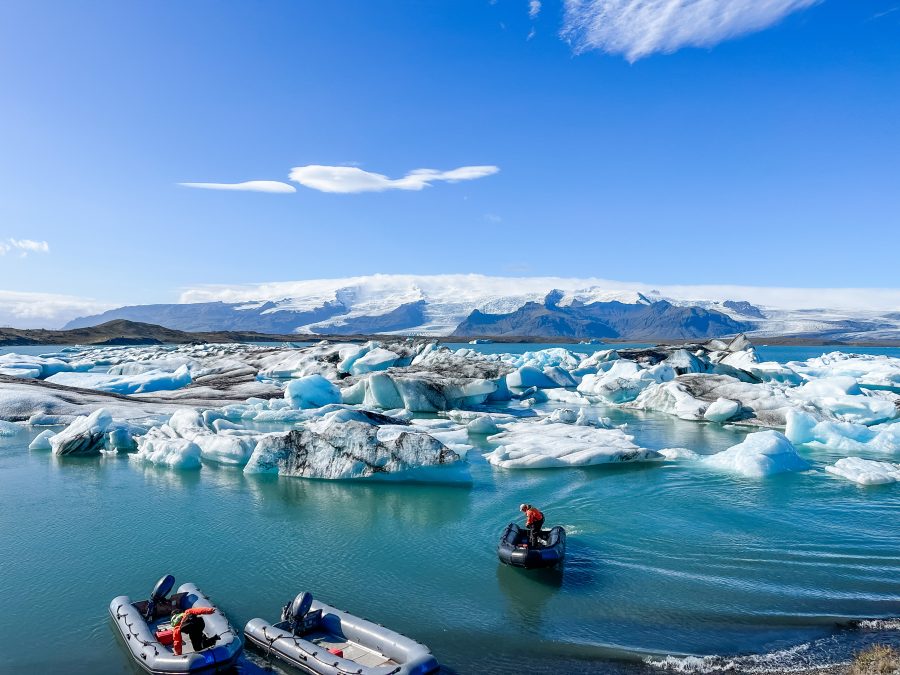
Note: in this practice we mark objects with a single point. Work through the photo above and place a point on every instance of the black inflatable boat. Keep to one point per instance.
(514, 550)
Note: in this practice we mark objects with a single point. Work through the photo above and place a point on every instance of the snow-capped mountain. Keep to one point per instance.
(476, 305)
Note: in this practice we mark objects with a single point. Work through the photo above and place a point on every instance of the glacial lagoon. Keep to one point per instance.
(671, 565)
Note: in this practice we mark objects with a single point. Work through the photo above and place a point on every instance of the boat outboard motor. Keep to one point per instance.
(158, 594)
(294, 612)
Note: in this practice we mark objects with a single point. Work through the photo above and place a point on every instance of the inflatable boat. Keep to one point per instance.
(146, 630)
(319, 639)
(514, 550)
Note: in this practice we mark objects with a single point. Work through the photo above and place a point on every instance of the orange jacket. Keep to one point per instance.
(532, 516)
(176, 627)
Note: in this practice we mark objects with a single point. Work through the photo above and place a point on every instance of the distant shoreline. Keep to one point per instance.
(123, 333)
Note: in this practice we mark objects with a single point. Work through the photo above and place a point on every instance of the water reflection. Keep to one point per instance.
(528, 592)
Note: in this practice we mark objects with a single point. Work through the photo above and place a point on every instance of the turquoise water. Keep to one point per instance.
(662, 559)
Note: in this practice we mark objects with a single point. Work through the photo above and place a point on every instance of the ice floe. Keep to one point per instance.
(760, 454)
(349, 444)
(132, 383)
(865, 471)
(311, 391)
(555, 444)
(42, 441)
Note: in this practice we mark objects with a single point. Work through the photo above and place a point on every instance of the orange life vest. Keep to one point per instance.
(532, 516)
(176, 626)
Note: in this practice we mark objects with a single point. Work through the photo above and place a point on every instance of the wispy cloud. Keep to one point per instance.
(493, 218)
(534, 8)
(246, 186)
(44, 310)
(638, 28)
(23, 247)
(351, 179)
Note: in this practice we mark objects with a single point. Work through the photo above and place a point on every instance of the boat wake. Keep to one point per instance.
(822, 655)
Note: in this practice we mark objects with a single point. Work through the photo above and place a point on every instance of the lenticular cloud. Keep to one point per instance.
(349, 179)
(638, 28)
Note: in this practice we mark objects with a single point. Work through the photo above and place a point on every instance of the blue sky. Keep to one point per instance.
(769, 155)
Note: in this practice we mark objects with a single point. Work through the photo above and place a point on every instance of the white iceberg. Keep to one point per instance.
(722, 410)
(865, 471)
(85, 436)
(554, 444)
(374, 360)
(624, 380)
(806, 429)
(351, 444)
(761, 454)
(311, 391)
(42, 441)
(137, 383)
(841, 398)
(163, 447)
(9, 429)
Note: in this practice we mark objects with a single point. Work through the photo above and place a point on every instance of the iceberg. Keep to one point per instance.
(136, 383)
(84, 437)
(353, 444)
(42, 441)
(870, 371)
(722, 410)
(806, 429)
(841, 398)
(374, 360)
(761, 454)
(554, 444)
(9, 429)
(624, 380)
(163, 447)
(865, 471)
(311, 391)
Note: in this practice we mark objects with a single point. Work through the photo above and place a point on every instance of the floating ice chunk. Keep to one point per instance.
(42, 441)
(374, 360)
(585, 417)
(187, 423)
(805, 429)
(32, 367)
(529, 376)
(761, 454)
(624, 381)
(351, 444)
(722, 410)
(841, 398)
(312, 391)
(120, 437)
(689, 396)
(224, 449)
(163, 447)
(138, 383)
(554, 357)
(865, 471)
(550, 445)
(869, 370)
(672, 454)
(9, 429)
(84, 437)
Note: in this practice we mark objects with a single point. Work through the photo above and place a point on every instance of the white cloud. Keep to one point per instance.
(23, 247)
(351, 179)
(247, 186)
(534, 8)
(44, 310)
(638, 28)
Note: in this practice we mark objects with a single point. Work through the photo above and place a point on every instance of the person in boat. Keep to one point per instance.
(534, 521)
(191, 622)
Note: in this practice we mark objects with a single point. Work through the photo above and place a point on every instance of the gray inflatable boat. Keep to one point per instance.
(322, 640)
(146, 630)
